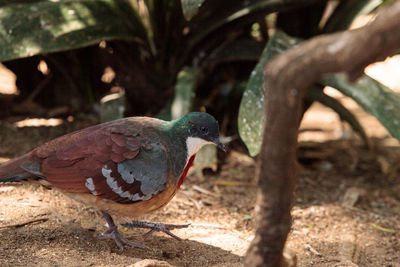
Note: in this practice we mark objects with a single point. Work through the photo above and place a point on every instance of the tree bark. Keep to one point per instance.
(286, 79)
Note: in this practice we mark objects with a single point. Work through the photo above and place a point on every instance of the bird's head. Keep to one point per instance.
(200, 129)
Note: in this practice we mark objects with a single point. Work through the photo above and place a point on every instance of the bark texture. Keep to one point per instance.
(286, 79)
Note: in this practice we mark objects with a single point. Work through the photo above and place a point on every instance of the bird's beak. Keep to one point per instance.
(220, 145)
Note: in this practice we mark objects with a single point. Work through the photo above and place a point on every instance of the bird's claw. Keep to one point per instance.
(161, 227)
(114, 234)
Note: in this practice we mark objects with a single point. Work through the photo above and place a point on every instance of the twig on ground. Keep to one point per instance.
(313, 250)
(202, 190)
(18, 225)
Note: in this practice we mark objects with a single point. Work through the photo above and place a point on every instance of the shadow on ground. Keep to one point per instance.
(52, 243)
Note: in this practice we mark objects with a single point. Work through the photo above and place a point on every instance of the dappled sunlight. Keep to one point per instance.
(38, 122)
(27, 47)
(229, 240)
(7, 82)
(108, 75)
(48, 26)
(73, 19)
(3, 159)
(329, 125)
(362, 21)
(386, 72)
(43, 67)
(320, 124)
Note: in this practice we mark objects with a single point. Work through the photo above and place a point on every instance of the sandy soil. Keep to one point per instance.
(346, 213)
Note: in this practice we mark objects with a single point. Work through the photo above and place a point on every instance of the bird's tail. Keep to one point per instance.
(11, 171)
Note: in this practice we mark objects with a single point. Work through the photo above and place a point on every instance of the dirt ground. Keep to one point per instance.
(346, 210)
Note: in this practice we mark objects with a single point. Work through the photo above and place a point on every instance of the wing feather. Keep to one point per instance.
(92, 164)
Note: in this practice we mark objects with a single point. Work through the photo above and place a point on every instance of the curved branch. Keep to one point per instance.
(287, 78)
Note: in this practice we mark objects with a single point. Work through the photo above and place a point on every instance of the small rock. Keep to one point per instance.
(352, 195)
(151, 263)
(325, 166)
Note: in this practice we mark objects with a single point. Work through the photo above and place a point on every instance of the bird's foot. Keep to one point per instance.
(161, 227)
(113, 233)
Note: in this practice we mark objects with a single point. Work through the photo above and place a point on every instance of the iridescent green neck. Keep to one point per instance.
(176, 135)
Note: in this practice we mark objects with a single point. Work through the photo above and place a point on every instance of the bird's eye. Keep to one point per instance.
(204, 130)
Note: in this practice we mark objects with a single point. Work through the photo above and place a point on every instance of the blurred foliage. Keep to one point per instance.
(168, 56)
(112, 107)
(147, 44)
(377, 99)
(184, 93)
(346, 11)
(373, 96)
(252, 115)
(190, 7)
(37, 27)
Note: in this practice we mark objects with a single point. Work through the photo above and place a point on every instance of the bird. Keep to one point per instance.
(126, 167)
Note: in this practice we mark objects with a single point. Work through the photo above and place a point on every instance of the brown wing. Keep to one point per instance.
(69, 166)
(111, 160)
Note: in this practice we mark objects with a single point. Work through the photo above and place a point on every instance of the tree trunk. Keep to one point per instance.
(286, 79)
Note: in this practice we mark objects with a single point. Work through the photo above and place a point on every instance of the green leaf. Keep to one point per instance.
(166, 20)
(345, 13)
(251, 110)
(377, 99)
(247, 218)
(317, 94)
(190, 7)
(37, 27)
(184, 93)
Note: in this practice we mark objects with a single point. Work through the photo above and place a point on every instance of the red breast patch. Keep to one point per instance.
(185, 171)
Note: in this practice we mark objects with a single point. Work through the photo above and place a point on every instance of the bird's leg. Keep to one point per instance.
(161, 227)
(113, 233)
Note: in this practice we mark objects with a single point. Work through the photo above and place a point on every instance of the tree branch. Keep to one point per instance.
(287, 78)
